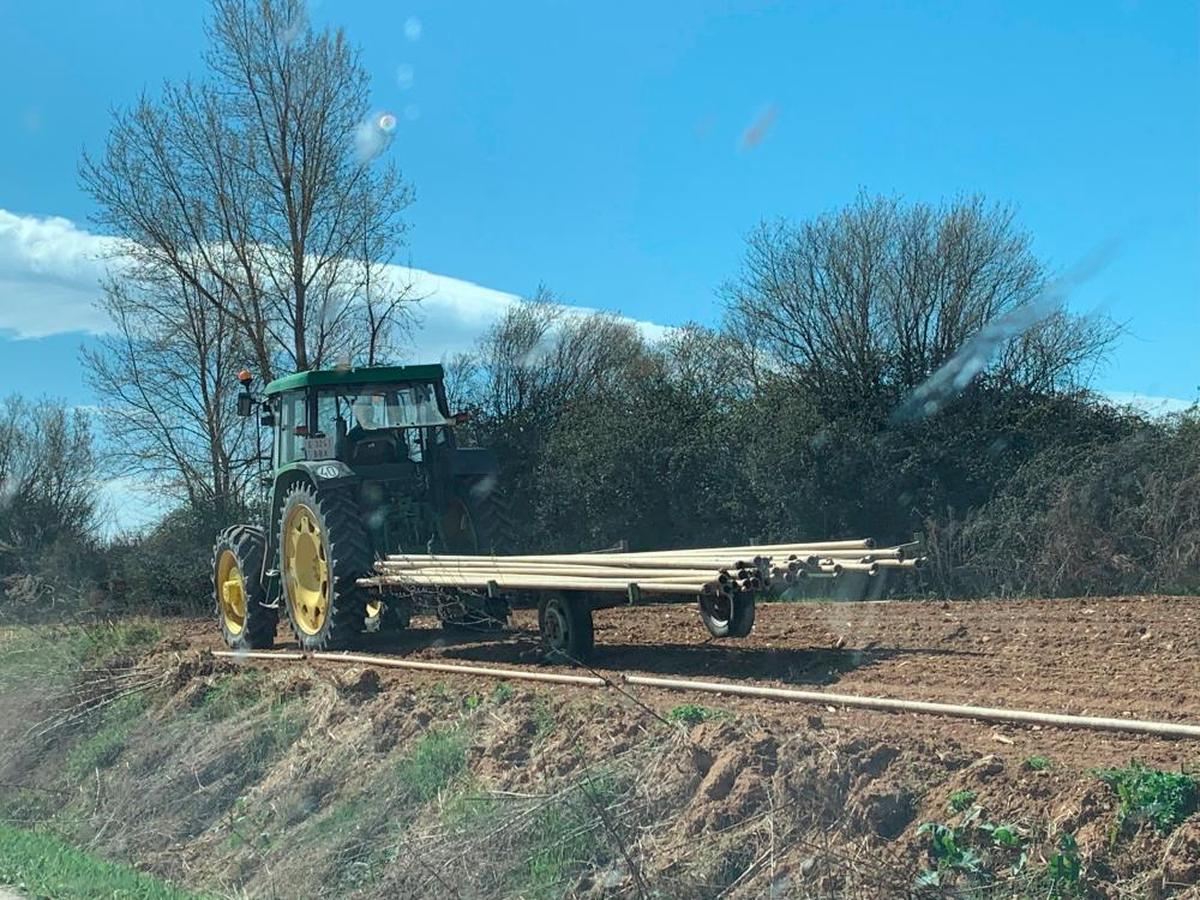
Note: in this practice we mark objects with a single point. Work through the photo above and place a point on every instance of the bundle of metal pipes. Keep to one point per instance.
(705, 570)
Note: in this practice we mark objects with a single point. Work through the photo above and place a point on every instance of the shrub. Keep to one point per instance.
(1164, 798)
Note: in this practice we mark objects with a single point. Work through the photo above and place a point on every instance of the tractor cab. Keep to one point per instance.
(364, 463)
(371, 417)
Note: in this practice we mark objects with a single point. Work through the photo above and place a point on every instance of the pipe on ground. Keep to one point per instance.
(985, 713)
(393, 663)
(886, 704)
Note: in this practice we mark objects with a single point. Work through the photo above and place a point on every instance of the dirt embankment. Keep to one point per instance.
(325, 780)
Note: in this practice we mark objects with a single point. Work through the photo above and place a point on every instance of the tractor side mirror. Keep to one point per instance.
(245, 405)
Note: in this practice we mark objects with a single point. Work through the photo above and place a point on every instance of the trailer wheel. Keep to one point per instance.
(565, 625)
(727, 616)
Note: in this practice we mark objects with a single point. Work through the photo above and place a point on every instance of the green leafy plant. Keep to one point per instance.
(961, 800)
(1164, 798)
(948, 848)
(502, 693)
(1008, 836)
(1063, 870)
(693, 714)
(1038, 763)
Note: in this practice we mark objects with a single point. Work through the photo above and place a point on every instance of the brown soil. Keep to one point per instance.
(568, 791)
(1130, 657)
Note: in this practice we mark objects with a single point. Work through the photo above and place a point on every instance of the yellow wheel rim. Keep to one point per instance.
(306, 569)
(231, 592)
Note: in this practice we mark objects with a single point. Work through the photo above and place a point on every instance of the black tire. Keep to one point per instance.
(488, 509)
(476, 522)
(743, 616)
(245, 546)
(396, 616)
(342, 549)
(565, 626)
(386, 614)
(726, 616)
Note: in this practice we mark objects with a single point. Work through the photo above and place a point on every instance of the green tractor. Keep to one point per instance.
(363, 463)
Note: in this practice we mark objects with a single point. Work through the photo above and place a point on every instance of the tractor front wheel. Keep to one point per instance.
(323, 551)
(238, 589)
(388, 616)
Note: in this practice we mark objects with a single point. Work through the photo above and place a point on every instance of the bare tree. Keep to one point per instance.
(259, 190)
(541, 357)
(869, 301)
(48, 477)
(166, 372)
(254, 226)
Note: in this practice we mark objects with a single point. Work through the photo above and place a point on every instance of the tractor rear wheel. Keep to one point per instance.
(238, 589)
(323, 551)
(475, 521)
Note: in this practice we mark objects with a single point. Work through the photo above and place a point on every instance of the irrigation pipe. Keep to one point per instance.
(986, 713)
(552, 677)
(983, 713)
(393, 663)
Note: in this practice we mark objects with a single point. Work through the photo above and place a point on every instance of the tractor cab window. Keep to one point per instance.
(384, 422)
(291, 414)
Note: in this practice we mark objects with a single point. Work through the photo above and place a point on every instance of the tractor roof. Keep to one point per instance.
(360, 375)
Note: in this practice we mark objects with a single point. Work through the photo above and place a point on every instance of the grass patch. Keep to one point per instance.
(50, 651)
(232, 694)
(44, 866)
(433, 763)
(272, 738)
(1164, 798)
(502, 693)
(100, 749)
(341, 818)
(1038, 763)
(468, 807)
(694, 714)
(24, 806)
(961, 800)
(565, 836)
(543, 717)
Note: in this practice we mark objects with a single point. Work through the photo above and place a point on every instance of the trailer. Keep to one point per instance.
(725, 583)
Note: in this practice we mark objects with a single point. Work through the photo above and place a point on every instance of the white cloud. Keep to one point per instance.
(50, 272)
(1149, 403)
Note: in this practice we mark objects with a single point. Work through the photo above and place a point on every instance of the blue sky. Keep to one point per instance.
(598, 147)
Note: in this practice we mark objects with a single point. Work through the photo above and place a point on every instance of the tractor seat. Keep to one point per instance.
(375, 450)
